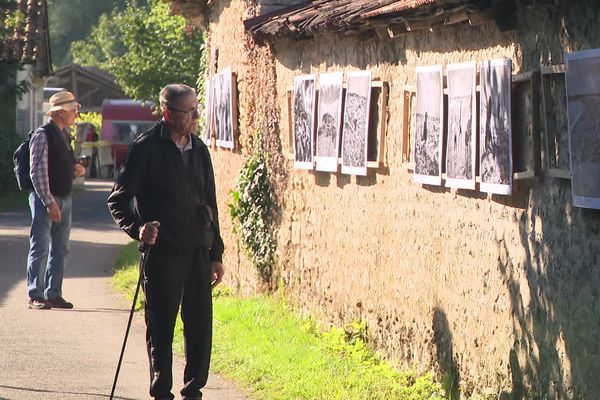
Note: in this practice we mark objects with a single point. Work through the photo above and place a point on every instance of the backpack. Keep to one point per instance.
(21, 160)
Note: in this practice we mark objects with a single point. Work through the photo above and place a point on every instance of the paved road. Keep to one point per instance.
(72, 354)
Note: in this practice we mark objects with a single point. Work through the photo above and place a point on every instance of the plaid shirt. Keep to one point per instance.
(38, 170)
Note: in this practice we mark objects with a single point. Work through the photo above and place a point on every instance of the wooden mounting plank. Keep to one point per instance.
(548, 73)
(524, 175)
(525, 76)
(559, 173)
(553, 69)
(407, 101)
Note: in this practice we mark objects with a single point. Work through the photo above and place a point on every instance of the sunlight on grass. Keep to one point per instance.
(262, 344)
(126, 272)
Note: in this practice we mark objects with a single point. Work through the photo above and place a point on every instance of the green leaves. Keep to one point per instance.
(279, 355)
(145, 48)
(251, 209)
(93, 118)
(72, 20)
(159, 51)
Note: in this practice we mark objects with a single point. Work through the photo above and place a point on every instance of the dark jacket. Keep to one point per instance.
(60, 160)
(182, 199)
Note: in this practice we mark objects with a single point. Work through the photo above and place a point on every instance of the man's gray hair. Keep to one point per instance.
(172, 93)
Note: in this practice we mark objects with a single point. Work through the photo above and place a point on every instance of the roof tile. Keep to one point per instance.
(26, 39)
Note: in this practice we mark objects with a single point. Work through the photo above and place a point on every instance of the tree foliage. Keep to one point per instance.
(145, 48)
(101, 46)
(10, 91)
(72, 20)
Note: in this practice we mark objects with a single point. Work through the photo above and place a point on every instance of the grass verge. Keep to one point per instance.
(277, 355)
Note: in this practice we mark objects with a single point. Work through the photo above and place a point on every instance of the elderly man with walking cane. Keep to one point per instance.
(169, 174)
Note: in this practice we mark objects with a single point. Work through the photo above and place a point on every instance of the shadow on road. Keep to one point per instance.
(58, 393)
(95, 240)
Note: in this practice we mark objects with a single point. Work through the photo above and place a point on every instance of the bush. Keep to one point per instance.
(8, 144)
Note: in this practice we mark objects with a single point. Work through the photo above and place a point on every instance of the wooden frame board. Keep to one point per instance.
(551, 131)
(380, 123)
(409, 95)
(531, 78)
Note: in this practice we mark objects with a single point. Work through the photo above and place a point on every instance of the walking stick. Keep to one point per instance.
(143, 260)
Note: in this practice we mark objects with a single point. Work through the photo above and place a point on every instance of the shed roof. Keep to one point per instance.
(90, 85)
(392, 17)
(25, 37)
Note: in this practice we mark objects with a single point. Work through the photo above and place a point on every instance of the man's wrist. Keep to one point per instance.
(48, 201)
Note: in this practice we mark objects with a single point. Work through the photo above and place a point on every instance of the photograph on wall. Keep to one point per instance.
(460, 143)
(208, 112)
(583, 103)
(355, 130)
(218, 119)
(304, 121)
(225, 109)
(428, 125)
(495, 132)
(329, 112)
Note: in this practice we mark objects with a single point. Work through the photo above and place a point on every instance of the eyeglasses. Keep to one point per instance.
(193, 113)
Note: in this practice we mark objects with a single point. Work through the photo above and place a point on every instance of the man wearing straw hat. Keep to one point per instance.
(52, 170)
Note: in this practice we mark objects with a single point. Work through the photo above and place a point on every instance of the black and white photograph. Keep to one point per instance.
(304, 121)
(217, 118)
(208, 112)
(355, 129)
(428, 125)
(462, 112)
(495, 131)
(225, 109)
(329, 112)
(583, 103)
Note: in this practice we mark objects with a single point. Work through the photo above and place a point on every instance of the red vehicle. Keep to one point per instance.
(123, 120)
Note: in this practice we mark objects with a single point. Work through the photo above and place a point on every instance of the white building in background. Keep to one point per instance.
(30, 112)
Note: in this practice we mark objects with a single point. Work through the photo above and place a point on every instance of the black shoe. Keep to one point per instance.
(38, 304)
(59, 302)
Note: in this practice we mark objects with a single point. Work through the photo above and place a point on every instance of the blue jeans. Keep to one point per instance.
(48, 248)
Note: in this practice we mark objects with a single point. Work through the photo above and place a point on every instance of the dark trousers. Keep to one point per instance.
(172, 279)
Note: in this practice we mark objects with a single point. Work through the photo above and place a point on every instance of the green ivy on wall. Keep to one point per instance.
(251, 209)
(201, 84)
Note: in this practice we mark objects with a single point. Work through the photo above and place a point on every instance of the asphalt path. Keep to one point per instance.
(73, 354)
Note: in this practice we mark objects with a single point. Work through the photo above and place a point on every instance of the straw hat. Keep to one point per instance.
(63, 101)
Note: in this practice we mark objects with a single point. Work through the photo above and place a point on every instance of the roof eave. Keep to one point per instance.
(336, 16)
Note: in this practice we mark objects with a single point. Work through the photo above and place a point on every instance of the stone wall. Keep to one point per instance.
(498, 292)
